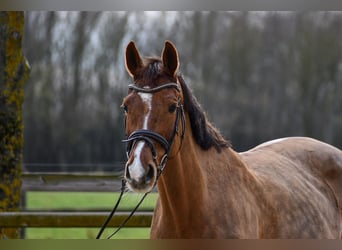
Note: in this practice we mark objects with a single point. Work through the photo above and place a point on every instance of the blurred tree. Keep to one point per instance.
(74, 94)
(259, 76)
(319, 57)
(14, 71)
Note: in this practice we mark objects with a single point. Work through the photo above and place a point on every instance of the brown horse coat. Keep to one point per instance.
(291, 188)
(301, 180)
(287, 188)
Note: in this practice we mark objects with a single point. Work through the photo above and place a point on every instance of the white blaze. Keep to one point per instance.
(147, 99)
(136, 169)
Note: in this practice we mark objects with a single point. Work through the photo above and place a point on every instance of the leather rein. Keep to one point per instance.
(149, 137)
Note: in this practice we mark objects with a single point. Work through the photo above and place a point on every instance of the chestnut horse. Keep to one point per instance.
(286, 188)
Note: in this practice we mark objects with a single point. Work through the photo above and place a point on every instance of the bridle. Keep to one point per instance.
(149, 137)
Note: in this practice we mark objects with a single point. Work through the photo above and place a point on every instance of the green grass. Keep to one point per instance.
(85, 200)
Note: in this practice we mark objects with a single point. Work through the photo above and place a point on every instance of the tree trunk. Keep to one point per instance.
(14, 71)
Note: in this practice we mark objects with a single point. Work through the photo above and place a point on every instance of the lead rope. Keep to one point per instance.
(129, 216)
(123, 186)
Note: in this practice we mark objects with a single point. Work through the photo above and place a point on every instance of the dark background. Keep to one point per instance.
(259, 75)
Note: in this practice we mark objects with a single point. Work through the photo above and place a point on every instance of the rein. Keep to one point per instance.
(148, 136)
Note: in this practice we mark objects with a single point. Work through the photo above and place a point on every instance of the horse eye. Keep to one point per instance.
(172, 108)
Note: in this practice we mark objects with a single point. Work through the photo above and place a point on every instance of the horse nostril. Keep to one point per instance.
(150, 173)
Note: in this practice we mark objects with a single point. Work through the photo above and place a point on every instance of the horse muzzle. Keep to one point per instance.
(141, 170)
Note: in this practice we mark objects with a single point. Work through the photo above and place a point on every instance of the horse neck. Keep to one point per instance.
(182, 172)
(181, 187)
(194, 176)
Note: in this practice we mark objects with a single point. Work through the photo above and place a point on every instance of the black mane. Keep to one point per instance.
(205, 134)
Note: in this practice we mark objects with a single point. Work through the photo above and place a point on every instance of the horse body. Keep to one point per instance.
(280, 190)
(287, 188)
(302, 181)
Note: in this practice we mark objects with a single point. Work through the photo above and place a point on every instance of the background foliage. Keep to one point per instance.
(259, 75)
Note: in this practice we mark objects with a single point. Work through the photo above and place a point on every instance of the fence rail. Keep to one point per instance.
(82, 182)
(71, 219)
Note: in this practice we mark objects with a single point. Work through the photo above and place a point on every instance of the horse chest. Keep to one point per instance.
(212, 222)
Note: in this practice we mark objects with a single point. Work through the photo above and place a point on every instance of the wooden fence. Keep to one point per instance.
(95, 182)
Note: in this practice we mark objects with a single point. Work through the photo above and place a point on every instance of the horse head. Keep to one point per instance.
(154, 116)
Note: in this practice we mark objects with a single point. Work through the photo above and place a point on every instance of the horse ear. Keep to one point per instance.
(170, 58)
(133, 59)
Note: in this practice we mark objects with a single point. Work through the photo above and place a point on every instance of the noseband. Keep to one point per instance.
(150, 136)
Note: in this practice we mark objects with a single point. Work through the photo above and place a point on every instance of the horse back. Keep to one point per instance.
(299, 161)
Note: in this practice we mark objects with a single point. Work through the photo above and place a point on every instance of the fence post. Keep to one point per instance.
(14, 71)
